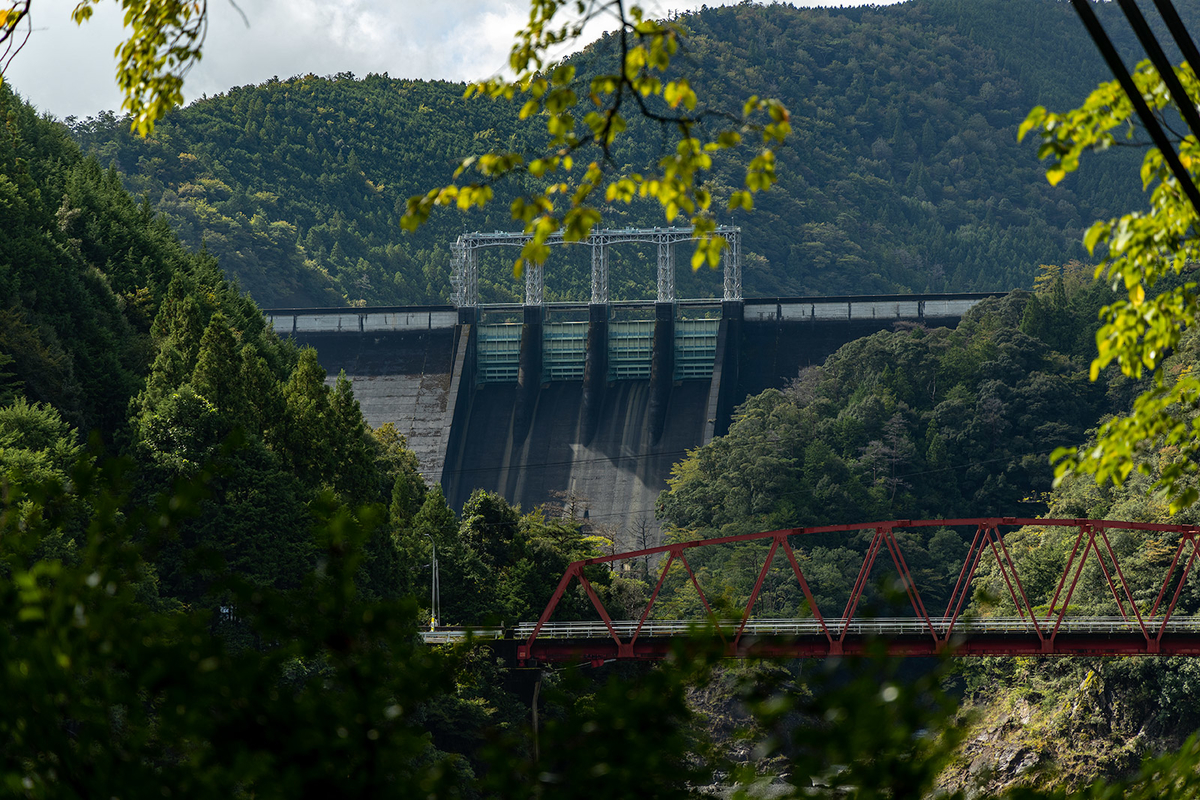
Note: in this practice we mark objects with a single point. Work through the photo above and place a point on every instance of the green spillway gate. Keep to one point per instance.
(498, 352)
(630, 345)
(564, 350)
(695, 348)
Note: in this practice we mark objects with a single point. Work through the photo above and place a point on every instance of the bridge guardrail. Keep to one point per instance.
(455, 636)
(809, 626)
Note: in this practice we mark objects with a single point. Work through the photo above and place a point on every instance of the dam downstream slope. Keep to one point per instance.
(400, 377)
(616, 477)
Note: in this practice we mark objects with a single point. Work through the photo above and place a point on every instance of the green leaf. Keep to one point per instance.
(1033, 120)
(1184, 499)
(1093, 235)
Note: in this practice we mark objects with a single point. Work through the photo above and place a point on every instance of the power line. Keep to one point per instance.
(1008, 459)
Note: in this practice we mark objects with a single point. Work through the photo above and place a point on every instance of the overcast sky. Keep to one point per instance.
(67, 70)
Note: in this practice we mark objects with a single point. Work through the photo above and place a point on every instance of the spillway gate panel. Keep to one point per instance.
(695, 348)
(564, 350)
(498, 352)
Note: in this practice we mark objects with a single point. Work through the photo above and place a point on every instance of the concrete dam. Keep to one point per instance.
(582, 405)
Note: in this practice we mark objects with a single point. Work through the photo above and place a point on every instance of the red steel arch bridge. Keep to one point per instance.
(1038, 625)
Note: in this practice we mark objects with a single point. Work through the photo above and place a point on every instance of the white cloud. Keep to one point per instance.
(67, 70)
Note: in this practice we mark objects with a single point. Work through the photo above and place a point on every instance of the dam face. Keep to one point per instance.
(400, 361)
(583, 408)
(615, 476)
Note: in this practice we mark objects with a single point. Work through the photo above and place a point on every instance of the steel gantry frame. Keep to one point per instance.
(1136, 631)
(464, 276)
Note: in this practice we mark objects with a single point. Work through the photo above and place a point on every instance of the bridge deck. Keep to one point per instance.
(805, 638)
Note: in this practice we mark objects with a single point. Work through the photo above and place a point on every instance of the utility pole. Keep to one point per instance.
(435, 589)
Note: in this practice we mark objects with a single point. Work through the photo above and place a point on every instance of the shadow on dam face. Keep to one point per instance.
(619, 473)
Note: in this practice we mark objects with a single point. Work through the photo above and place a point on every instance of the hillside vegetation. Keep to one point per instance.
(903, 173)
(908, 424)
(109, 326)
(155, 431)
(915, 424)
(228, 607)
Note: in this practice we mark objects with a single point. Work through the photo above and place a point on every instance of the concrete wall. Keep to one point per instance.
(929, 307)
(618, 473)
(781, 336)
(402, 377)
(314, 321)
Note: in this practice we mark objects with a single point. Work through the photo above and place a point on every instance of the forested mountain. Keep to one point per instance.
(903, 172)
(227, 610)
(108, 325)
(230, 499)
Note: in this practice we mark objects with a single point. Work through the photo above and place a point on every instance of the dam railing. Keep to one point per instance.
(630, 331)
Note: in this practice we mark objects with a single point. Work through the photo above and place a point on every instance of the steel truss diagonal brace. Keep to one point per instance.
(988, 536)
(703, 600)
(654, 595)
(600, 609)
(1134, 631)
(1087, 537)
(1188, 538)
(780, 542)
(808, 595)
(885, 537)
(572, 570)
(910, 585)
(762, 575)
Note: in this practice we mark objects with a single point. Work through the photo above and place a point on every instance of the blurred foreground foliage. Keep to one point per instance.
(326, 691)
(109, 695)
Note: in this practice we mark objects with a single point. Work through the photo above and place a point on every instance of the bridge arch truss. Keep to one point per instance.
(464, 278)
(1035, 628)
